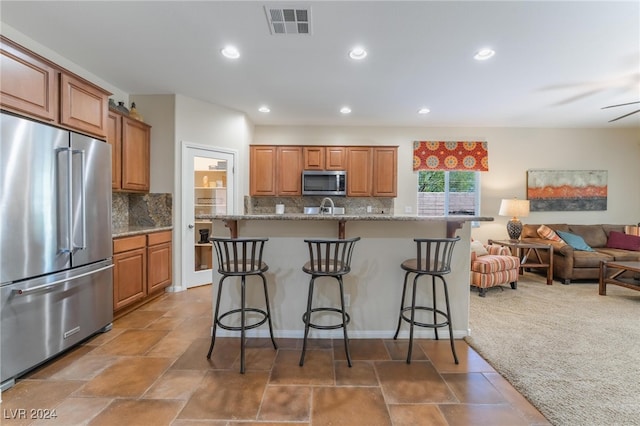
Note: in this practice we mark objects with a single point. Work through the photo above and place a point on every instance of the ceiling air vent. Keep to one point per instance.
(289, 20)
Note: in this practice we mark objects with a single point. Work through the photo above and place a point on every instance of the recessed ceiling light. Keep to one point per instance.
(357, 53)
(264, 109)
(345, 110)
(424, 111)
(230, 52)
(484, 54)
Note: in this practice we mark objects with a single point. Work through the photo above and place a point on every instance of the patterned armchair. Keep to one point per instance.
(492, 265)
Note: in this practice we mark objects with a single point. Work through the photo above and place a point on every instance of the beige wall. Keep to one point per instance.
(512, 151)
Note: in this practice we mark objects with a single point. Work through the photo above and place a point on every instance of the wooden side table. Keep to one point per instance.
(529, 255)
(611, 273)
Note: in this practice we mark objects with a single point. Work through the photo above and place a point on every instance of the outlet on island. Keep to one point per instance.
(369, 209)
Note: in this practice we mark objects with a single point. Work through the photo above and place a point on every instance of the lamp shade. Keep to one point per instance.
(514, 208)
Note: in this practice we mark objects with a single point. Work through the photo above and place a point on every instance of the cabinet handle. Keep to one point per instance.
(190, 226)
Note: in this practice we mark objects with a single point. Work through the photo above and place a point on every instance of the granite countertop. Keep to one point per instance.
(129, 231)
(346, 217)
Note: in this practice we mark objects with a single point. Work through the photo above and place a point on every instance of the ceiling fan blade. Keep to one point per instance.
(629, 103)
(623, 116)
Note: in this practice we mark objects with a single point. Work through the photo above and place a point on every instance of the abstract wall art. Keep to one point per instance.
(567, 190)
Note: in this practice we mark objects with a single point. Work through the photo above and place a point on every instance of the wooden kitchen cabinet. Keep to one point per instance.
(275, 170)
(28, 82)
(385, 172)
(359, 171)
(33, 86)
(289, 170)
(83, 106)
(129, 270)
(130, 144)
(262, 170)
(325, 157)
(158, 261)
(142, 268)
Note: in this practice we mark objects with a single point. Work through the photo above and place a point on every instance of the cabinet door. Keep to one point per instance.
(313, 157)
(83, 106)
(28, 84)
(359, 171)
(159, 261)
(335, 158)
(135, 155)
(289, 169)
(385, 171)
(262, 170)
(129, 277)
(114, 138)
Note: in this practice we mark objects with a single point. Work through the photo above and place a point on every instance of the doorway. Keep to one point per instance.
(207, 188)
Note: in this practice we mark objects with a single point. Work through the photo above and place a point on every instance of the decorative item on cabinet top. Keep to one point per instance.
(133, 112)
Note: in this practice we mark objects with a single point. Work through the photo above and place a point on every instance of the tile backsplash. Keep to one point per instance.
(353, 205)
(141, 209)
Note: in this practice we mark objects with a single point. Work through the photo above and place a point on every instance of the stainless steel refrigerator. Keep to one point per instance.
(56, 278)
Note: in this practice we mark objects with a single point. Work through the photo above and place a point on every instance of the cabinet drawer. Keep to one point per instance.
(129, 243)
(158, 238)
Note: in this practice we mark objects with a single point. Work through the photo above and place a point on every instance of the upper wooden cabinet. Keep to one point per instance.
(33, 86)
(359, 171)
(385, 171)
(28, 83)
(325, 157)
(289, 170)
(277, 169)
(262, 170)
(83, 106)
(130, 144)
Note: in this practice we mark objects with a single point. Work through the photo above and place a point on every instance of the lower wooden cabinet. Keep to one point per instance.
(158, 261)
(142, 268)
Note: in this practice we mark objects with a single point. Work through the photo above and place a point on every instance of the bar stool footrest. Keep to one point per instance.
(246, 327)
(422, 324)
(326, 327)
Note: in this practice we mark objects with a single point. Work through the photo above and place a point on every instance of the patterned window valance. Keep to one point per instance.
(467, 156)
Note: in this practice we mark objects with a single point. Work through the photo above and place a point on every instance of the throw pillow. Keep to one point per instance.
(549, 234)
(575, 241)
(623, 241)
(478, 248)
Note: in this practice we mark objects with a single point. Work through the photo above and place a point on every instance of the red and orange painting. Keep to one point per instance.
(567, 190)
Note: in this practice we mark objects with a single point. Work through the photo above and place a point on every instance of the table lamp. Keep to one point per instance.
(514, 208)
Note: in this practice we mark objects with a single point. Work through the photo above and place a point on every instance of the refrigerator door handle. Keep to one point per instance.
(47, 286)
(83, 203)
(68, 247)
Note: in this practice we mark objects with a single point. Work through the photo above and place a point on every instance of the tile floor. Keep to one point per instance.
(151, 369)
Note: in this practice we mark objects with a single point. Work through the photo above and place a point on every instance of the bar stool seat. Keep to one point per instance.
(433, 258)
(241, 257)
(328, 258)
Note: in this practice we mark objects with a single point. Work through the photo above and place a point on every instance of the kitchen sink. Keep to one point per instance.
(325, 210)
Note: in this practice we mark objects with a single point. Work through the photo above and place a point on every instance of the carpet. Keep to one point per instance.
(572, 353)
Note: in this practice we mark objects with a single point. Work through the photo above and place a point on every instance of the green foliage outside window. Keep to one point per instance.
(459, 181)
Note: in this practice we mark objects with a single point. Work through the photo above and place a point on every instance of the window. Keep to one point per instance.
(444, 193)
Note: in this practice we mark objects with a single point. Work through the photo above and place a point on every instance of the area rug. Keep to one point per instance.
(572, 353)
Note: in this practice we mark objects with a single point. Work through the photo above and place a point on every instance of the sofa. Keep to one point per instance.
(586, 246)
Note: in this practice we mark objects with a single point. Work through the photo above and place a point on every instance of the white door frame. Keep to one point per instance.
(186, 198)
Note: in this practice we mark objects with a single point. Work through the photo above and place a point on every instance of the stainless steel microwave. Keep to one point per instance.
(318, 182)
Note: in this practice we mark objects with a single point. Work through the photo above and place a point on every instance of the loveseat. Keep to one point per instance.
(579, 258)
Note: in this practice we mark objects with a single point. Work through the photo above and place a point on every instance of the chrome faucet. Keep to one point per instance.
(322, 207)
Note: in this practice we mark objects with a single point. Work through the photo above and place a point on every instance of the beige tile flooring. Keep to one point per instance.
(151, 369)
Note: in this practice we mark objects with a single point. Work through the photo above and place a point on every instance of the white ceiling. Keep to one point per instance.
(557, 63)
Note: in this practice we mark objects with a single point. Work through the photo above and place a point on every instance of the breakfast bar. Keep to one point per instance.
(374, 286)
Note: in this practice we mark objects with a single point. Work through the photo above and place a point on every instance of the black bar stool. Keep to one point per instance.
(433, 259)
(328, 258)
(240, 257)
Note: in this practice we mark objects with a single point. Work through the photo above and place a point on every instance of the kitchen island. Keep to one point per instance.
(373, 287)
